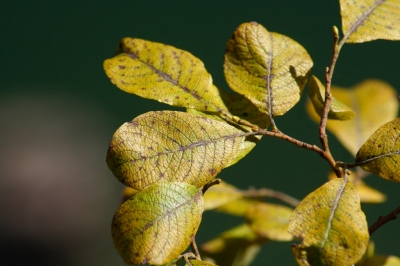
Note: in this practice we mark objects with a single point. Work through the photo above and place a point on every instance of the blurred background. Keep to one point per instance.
(58, 111)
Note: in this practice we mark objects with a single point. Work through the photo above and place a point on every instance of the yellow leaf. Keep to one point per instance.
(200, 263)
(368, 20)
(163, 73)
(337, 110)
(237, 207)
(371, 259)
(155, 225)
(241, 107)
(367, 194)
(237, 246)
(375, 103)
(332, 225)
(171, 146)
(270, 221)
(127, 193)
(268, 68)
(380, 154)
(220, 194)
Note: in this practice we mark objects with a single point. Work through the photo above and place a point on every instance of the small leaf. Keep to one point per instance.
(200, 263)
(337, 110)
(368, 20)
(375, 103)
(155, 225)
(220, 194)
(270, 221)
(268, 68)
(367, 194)
(237, 246)
(380, 154)
(163, 73)
(332, 225)
(172, 146)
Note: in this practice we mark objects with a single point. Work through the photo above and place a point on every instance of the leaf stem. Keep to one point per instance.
(210, 184)
(266, 192)
(194, 246)
(384, 219)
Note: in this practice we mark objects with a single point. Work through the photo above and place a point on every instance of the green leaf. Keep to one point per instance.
(155, 225)
(268, 68)
(368, 20)
(200, 263)
(163, 73)
(332, 225)
(220, 194)
(337, 110)
(375, 103)
(270, 221)
(236, 247)
(380, 154)
(172, 146)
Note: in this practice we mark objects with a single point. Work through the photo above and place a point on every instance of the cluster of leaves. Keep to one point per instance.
(170, 160)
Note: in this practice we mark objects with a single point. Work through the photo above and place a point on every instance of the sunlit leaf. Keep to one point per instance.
(337, 110)
(367, 194)
(375, 103)
(240, 106)
(220, 194)
(380, 154)
(268, 68)
(163, 73)
(237, 246)
(332, 225)
(171, 146)
(270, 221)
(367, 20)
(155, 225)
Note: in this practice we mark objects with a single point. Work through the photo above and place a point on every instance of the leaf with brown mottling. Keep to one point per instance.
(380, 154)
(172, 146)
(268, 68)
(163, 73)
(155, 225)
(333, 227)
(368, 20)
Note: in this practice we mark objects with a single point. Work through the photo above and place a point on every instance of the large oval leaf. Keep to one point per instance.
(375, 103)
(332, 225)
(163, 73)
(155, 225)
(172, 146)
(268, 68)
(367, 20)
(337, 110)
(380, 154)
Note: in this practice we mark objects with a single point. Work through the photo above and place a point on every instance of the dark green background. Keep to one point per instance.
(58, 112)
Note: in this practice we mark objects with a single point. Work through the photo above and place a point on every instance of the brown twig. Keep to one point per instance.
(384, 219)
(210, 184)
(266, 192)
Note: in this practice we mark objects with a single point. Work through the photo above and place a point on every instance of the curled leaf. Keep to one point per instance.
(163, 73)
(380, 154)
(171, 146)
(375, 103)
(270, 221)
(337, 110)
(268, 68)
(332, 225)
(155, 225)
(368, 20)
